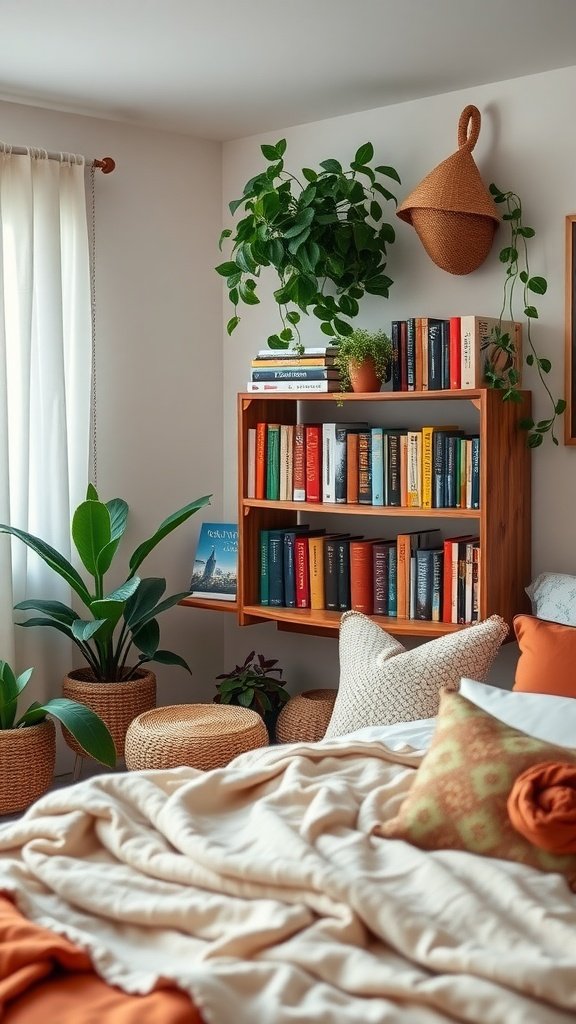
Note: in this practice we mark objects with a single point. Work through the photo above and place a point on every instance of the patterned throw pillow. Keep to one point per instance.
(382, 683)
(458, 800)
(553, 597)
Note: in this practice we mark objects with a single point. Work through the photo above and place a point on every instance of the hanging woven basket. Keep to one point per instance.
(452, 211)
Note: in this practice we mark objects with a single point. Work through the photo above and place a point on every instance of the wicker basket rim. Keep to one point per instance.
(206, 719)
(27, 730)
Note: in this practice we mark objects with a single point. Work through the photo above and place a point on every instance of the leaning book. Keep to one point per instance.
(215, 572)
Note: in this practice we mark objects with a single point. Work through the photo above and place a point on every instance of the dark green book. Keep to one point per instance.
(264, 568)
(273, 462)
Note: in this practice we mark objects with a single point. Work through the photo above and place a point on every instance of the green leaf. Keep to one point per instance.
(225, 234)
(168, 658)
(247, 293)
(232, 324)
(303, 220)
(342, 327)
(526, 232)
(361, 169)
(8, 695)
(384, 192)
(327, 329)
(83, 630)
(244, 259)
(54, 609)
(246, 698)
(309, 174)
(144, 600)
(91, 532)
(233, 206)
(531, 312)
(560, 407)
(535, 440)
(147, 638)
(274, 342)
(281, 147)
(270, 152)
(538, 285)
(295, 243)
(375, 210)
(545, 365)
(389, 172)
(107, 611)
(530, 359)
(387, 233)
(86, 727)
(508, 254)
(523, 276)
(293, 317)
(53, 559)
(526, 424)
(166, 527)
(364, 154)
(332, 166)
(226, 269)
(287, 334)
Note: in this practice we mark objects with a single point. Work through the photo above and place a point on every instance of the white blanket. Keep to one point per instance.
(260, 889)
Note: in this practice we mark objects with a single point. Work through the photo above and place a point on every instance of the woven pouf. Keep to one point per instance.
(305, 717)
(199, 735)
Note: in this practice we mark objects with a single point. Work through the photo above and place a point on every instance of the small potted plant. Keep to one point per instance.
(364, 360)
(28, 742)
(118, 631)
(251, 686)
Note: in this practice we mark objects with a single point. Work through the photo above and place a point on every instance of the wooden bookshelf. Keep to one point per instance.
(503, 521)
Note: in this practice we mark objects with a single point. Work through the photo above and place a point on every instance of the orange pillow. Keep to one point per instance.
(547, 662)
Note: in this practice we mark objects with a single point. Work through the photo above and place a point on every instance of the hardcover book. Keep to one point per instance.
(215, 572)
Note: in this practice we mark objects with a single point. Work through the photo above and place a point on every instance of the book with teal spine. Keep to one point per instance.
(215, 571)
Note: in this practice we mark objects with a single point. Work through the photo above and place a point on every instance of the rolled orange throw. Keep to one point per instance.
(542, 806)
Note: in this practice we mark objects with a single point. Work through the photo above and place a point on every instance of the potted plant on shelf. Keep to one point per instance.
(364, 360)
(118, 632)
(323, 233)
(28, 740)
(514, 256)
(251, 686)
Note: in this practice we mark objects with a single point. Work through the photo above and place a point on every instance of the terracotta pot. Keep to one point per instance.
(363, 377)
(117, 704)
(27, 757)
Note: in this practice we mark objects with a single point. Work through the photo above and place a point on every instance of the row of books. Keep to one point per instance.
(416, 575)
(355, 463)
(433, 354)
(314, 370)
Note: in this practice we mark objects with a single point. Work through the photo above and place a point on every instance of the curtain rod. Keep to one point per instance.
(106, 164)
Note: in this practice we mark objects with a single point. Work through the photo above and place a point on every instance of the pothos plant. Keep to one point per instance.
(324, 234)
(507, 377)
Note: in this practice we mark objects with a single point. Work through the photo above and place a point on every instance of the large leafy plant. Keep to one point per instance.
(324, 234)
(84, 724)
(115, 621)
(520, 285)
(251, 685)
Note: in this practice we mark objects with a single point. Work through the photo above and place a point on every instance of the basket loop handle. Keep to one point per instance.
(469, 118)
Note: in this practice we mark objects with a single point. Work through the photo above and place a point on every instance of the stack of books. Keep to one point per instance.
(286, 370)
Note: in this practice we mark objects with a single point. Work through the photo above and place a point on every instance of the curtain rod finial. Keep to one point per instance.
(106, 164)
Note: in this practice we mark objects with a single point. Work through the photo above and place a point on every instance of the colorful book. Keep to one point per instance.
(286, 460)
(293, 373)
(365, 467)
(215, 570)
(455, 353)
(251, 463)
(299, 463)
(261, 429)
(326, 362)
(381, 563)
(362, 576)
(377, 466)
(477, 348)
(264, 578)
(295, 353)
(273, 462)
(334, 460)
(293, 385)
(313, 461)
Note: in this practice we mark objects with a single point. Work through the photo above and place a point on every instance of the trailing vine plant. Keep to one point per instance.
(324, 234)
(506, 377)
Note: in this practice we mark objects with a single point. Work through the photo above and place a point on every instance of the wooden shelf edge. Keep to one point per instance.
(211, 603)
(362, 510)
(307, 619)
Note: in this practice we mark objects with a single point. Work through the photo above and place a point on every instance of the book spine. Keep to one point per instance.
(294, 353)
(340, 464)
(404, 470)
(316, 571)
(394, 470)
(293, 385)
(418, 380)
(299, 464)
(461, 585)
(365, 467)
(393, 582)
(434, 355)
(251, 463)
(276, 567)
(289, 572)
(395, 342)
(329, 463)
(261, 429)
(377, 463)
(343, 568)
(439, 469)
(352, 468)
(427, 433)
(437, 584)
(403, 350)
(447, 581)
(301, 572)
(273, 462)
(361, 577)
(286, 442)
(445, 354)
(313, 462)
(468, 581)
(452, 443)
(414, 485)
(475, 473)
(296, 363)
(312, 373)
(411, 353)
(331, 573)
(423, 609)
(455, 354)
(424, 343)
(380, 572)
(465, 471)
(403, 575)
(476, 585)
(264, 568)
(412, 587)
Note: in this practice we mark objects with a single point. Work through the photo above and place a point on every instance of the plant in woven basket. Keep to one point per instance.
(251, 685)
(322, 232)
(86, 727)
(515, 258)
(118, 631)
(360, 348)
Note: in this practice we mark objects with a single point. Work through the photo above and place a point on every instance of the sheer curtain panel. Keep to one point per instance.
(45, 365)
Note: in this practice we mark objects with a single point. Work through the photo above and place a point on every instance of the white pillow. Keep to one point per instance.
(548, 718)
(553, 597)
(382, 683)
(417, 734)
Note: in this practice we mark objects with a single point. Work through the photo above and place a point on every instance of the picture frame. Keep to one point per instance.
(570, 333)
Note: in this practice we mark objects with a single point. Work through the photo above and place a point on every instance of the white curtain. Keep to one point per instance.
(45, 366)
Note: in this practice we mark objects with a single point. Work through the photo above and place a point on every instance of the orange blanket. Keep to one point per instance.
(542, 806)
(44, 977)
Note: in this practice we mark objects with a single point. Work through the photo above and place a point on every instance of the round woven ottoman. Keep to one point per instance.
(199, 735)
(304, 718)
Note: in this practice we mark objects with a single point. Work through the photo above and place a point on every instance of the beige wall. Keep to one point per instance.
(159, 367)
(526, 144)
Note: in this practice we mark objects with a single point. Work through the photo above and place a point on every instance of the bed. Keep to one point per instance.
(263, 892)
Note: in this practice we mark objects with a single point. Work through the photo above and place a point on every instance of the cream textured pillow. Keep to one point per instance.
(553, 597)
(382, 683)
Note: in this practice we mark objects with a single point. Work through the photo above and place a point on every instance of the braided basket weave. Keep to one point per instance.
(199, 735)
(451, 209)
(304, 718)
(117, 704)
(27, 758)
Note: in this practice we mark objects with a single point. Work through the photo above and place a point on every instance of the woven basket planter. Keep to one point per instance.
(117, 704)
(452, 211)
(201, 736)
(27, 757)
(305, 717)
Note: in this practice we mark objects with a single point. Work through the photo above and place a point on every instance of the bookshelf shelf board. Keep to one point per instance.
(364, 510)
(311, 618)
(212, 603)
(351, 396)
